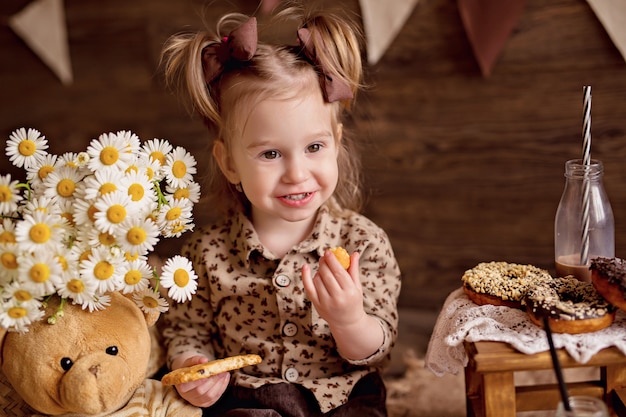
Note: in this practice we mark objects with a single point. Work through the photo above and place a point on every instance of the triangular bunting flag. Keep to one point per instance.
(612, 15)
(382, 20)
(42, 26)
(488, 24)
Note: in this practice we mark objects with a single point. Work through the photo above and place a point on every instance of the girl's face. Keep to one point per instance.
(286, 158)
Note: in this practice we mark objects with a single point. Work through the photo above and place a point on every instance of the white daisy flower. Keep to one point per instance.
(7, 231)
(84, 212)
(133, 144)
(40, 272)
(102, 182)
(8, 262)
(150, 301)
(141, 192)
(25, 149)
(156, 150)
(43, 204)
(62, 183)
(20, 293)
(18, 316)
(109, 151)
(136, 276)
(137, 235)
(77, 288)
(40, 232)
(82, 159)
(111, 211)
(179, 278)
(151, 167)
(36, 174)
(97, 302)
(9, 195)
(176, 229)
(191, 192)
(179, 167)
(103, 268)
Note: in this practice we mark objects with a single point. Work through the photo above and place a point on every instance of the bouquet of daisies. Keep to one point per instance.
(83, 224)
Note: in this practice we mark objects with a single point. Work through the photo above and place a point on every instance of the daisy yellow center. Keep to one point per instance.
(109, 155)
(150, 173)
(66, 187)
(107, 187)
(158, 156)
(5, 193)
(178, 228)
(9, 260)
(131, 256)
(76, 286)
(136, 235)
(173, 213)
(179, 169)
(132, 168)
(85, 255)
(44, 171)
(116, 213)
(69, 217)
(40, 233)
(63, 262)
(150, 302)
(181, 193)
(17, 312)
(40, 273)
(27, 147)
(106, 239)
(7, 237)
(71, 164)
(132, 277)
(181, 278)
(23, 296)
(103, 270)
(136, 192)
(91, 213)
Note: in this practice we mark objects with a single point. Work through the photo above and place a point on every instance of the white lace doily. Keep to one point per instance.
(462, 320)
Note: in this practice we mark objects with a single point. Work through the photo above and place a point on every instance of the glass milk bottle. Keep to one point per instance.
(568, 223)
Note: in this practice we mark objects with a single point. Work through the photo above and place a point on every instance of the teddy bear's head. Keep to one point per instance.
(88, 363)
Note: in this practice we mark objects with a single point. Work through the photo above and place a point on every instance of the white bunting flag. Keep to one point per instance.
(41, 24)
(382, 20)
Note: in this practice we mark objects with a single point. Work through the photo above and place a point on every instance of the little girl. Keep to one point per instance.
(288, 179)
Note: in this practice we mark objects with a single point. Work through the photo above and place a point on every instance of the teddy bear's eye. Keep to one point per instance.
(112, 350)
(66, 364)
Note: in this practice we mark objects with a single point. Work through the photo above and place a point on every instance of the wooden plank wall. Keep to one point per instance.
(461, 168)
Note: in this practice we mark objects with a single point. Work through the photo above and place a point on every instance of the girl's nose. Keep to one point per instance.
(296, 170)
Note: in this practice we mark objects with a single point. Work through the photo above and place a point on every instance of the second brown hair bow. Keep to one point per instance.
(239, 46)
(334, 88)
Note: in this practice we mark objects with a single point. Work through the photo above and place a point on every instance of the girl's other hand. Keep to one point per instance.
(203, 392)
(336, 293)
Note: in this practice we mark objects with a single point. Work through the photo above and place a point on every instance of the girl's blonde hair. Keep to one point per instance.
(275, 71)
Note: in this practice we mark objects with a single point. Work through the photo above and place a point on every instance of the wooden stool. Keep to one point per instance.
(491, 390)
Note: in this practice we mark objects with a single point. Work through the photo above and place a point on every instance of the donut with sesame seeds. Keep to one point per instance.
(501, 283)
(608, 276)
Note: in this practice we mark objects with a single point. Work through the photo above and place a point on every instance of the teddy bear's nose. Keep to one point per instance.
(95, 369)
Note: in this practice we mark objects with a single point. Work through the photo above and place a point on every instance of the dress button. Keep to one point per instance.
(290, 329)
(292, 374)
(282, 280)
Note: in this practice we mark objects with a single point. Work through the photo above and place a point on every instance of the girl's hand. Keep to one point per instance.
(203, 392)
(336, 293)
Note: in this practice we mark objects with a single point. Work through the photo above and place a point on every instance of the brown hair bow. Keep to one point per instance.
(239, 46)
(334, 89)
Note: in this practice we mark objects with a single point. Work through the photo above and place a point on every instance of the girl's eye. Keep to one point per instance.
(270, 155)
(315, 147)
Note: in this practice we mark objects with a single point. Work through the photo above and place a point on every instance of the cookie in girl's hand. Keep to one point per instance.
(342, 256)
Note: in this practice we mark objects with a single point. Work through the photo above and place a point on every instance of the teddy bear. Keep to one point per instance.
(89, 364)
